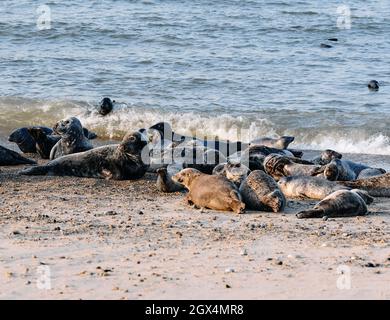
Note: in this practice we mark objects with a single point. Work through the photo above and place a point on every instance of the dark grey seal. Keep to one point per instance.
(12, 158)
(373, 85)
(106, 106)
(24, 140)
(72, 139)
(126, 161)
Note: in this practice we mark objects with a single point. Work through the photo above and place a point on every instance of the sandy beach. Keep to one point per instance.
(103, 239)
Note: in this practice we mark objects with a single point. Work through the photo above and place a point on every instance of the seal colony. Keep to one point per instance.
(219, 175)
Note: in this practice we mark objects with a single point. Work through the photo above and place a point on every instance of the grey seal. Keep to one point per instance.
(373, 85)
(278, 143)
(12, 158)
(126, 161)
(164, 181)
(370, 172)
(326, 157)
(210, 191)
(43, 142)
(24, 140)
(72, 139)
(305, 187)
(342, 203)
(259, 191)
(106, 106)
(344, 170)
(235, 172)
(376, 186)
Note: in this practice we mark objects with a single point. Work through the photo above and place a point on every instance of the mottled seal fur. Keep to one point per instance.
(44, 143)
(259, 191)
(279, 166)
(305, 187)
(342, 203)
(278, 143)
(235, 172)
(370, 172)
(344, 170)
(72, 139)
(164, 179)
(12, 158)
(376, 186)
(126, 161)
(326, 157)
(210, 191)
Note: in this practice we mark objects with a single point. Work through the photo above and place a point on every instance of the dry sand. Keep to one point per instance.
(124, 240)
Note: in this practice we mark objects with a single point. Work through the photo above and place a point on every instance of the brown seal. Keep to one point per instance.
(210, 191)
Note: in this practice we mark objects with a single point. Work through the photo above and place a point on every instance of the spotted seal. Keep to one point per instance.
(235, 172)
(378, 186)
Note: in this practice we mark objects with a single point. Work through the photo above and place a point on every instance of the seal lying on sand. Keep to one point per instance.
(72, 138)
(12, 158)
(370, 172)
(342, 203)
(344, 170)
(278, 143)
(304, 187)
(279, 166)
(210, 191)
(24, 140)
(235, 172)
(259, 191)
(376, 186)
(326, 157)
(164, 179)
(43, 142)
(119, 162)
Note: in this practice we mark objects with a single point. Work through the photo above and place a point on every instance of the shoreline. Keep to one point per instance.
(125, 240)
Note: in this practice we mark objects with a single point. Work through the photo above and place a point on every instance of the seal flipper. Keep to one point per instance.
(35, 171)
(312, 213)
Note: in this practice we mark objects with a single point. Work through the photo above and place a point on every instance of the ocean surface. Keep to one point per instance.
(235, 69)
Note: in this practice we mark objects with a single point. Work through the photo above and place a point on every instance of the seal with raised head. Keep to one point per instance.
(305, 187)
(376, 186)
(126, 161)
(24, 140)
(278, 143)
(280, 166)
(106, 106)
(235, 172)
(72, 139)
(344, 170)
(12, 158)
(342, 203)
(326, 157)
(260, 191)
(373, 85)
(210, 191)
(164, 181)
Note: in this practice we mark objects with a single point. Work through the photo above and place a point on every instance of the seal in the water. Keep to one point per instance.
(373, 85)
(210, 191)
(12, 158)
(304, 187)
(326, 157)
(280, 166)
(376, 186)
(259, 191)
(370, 172)
(72, 139)
(23, 139)
(278, 143)
(126, 161)
(235, 172)
(164, 179)
(106, 106)
(342, 203)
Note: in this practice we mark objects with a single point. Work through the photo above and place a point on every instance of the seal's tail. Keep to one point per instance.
(310, 214)
(35, 171)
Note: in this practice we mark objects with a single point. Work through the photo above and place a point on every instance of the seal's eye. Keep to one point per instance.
(132, 139)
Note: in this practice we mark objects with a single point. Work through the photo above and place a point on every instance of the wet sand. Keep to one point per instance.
(124, 240)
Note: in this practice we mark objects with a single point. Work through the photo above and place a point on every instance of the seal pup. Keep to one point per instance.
(72, 139)
(12, 158)
(210, 191)
(235, 172)
(24, 140)
(279, 166)
(378, 186)
(342, 203)
(259, 191)
(370, 172)
(373, 85)
(305, 187)
(164, 179)
(278, 143)
(326, 157)
(126, 161)
(106, 106)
